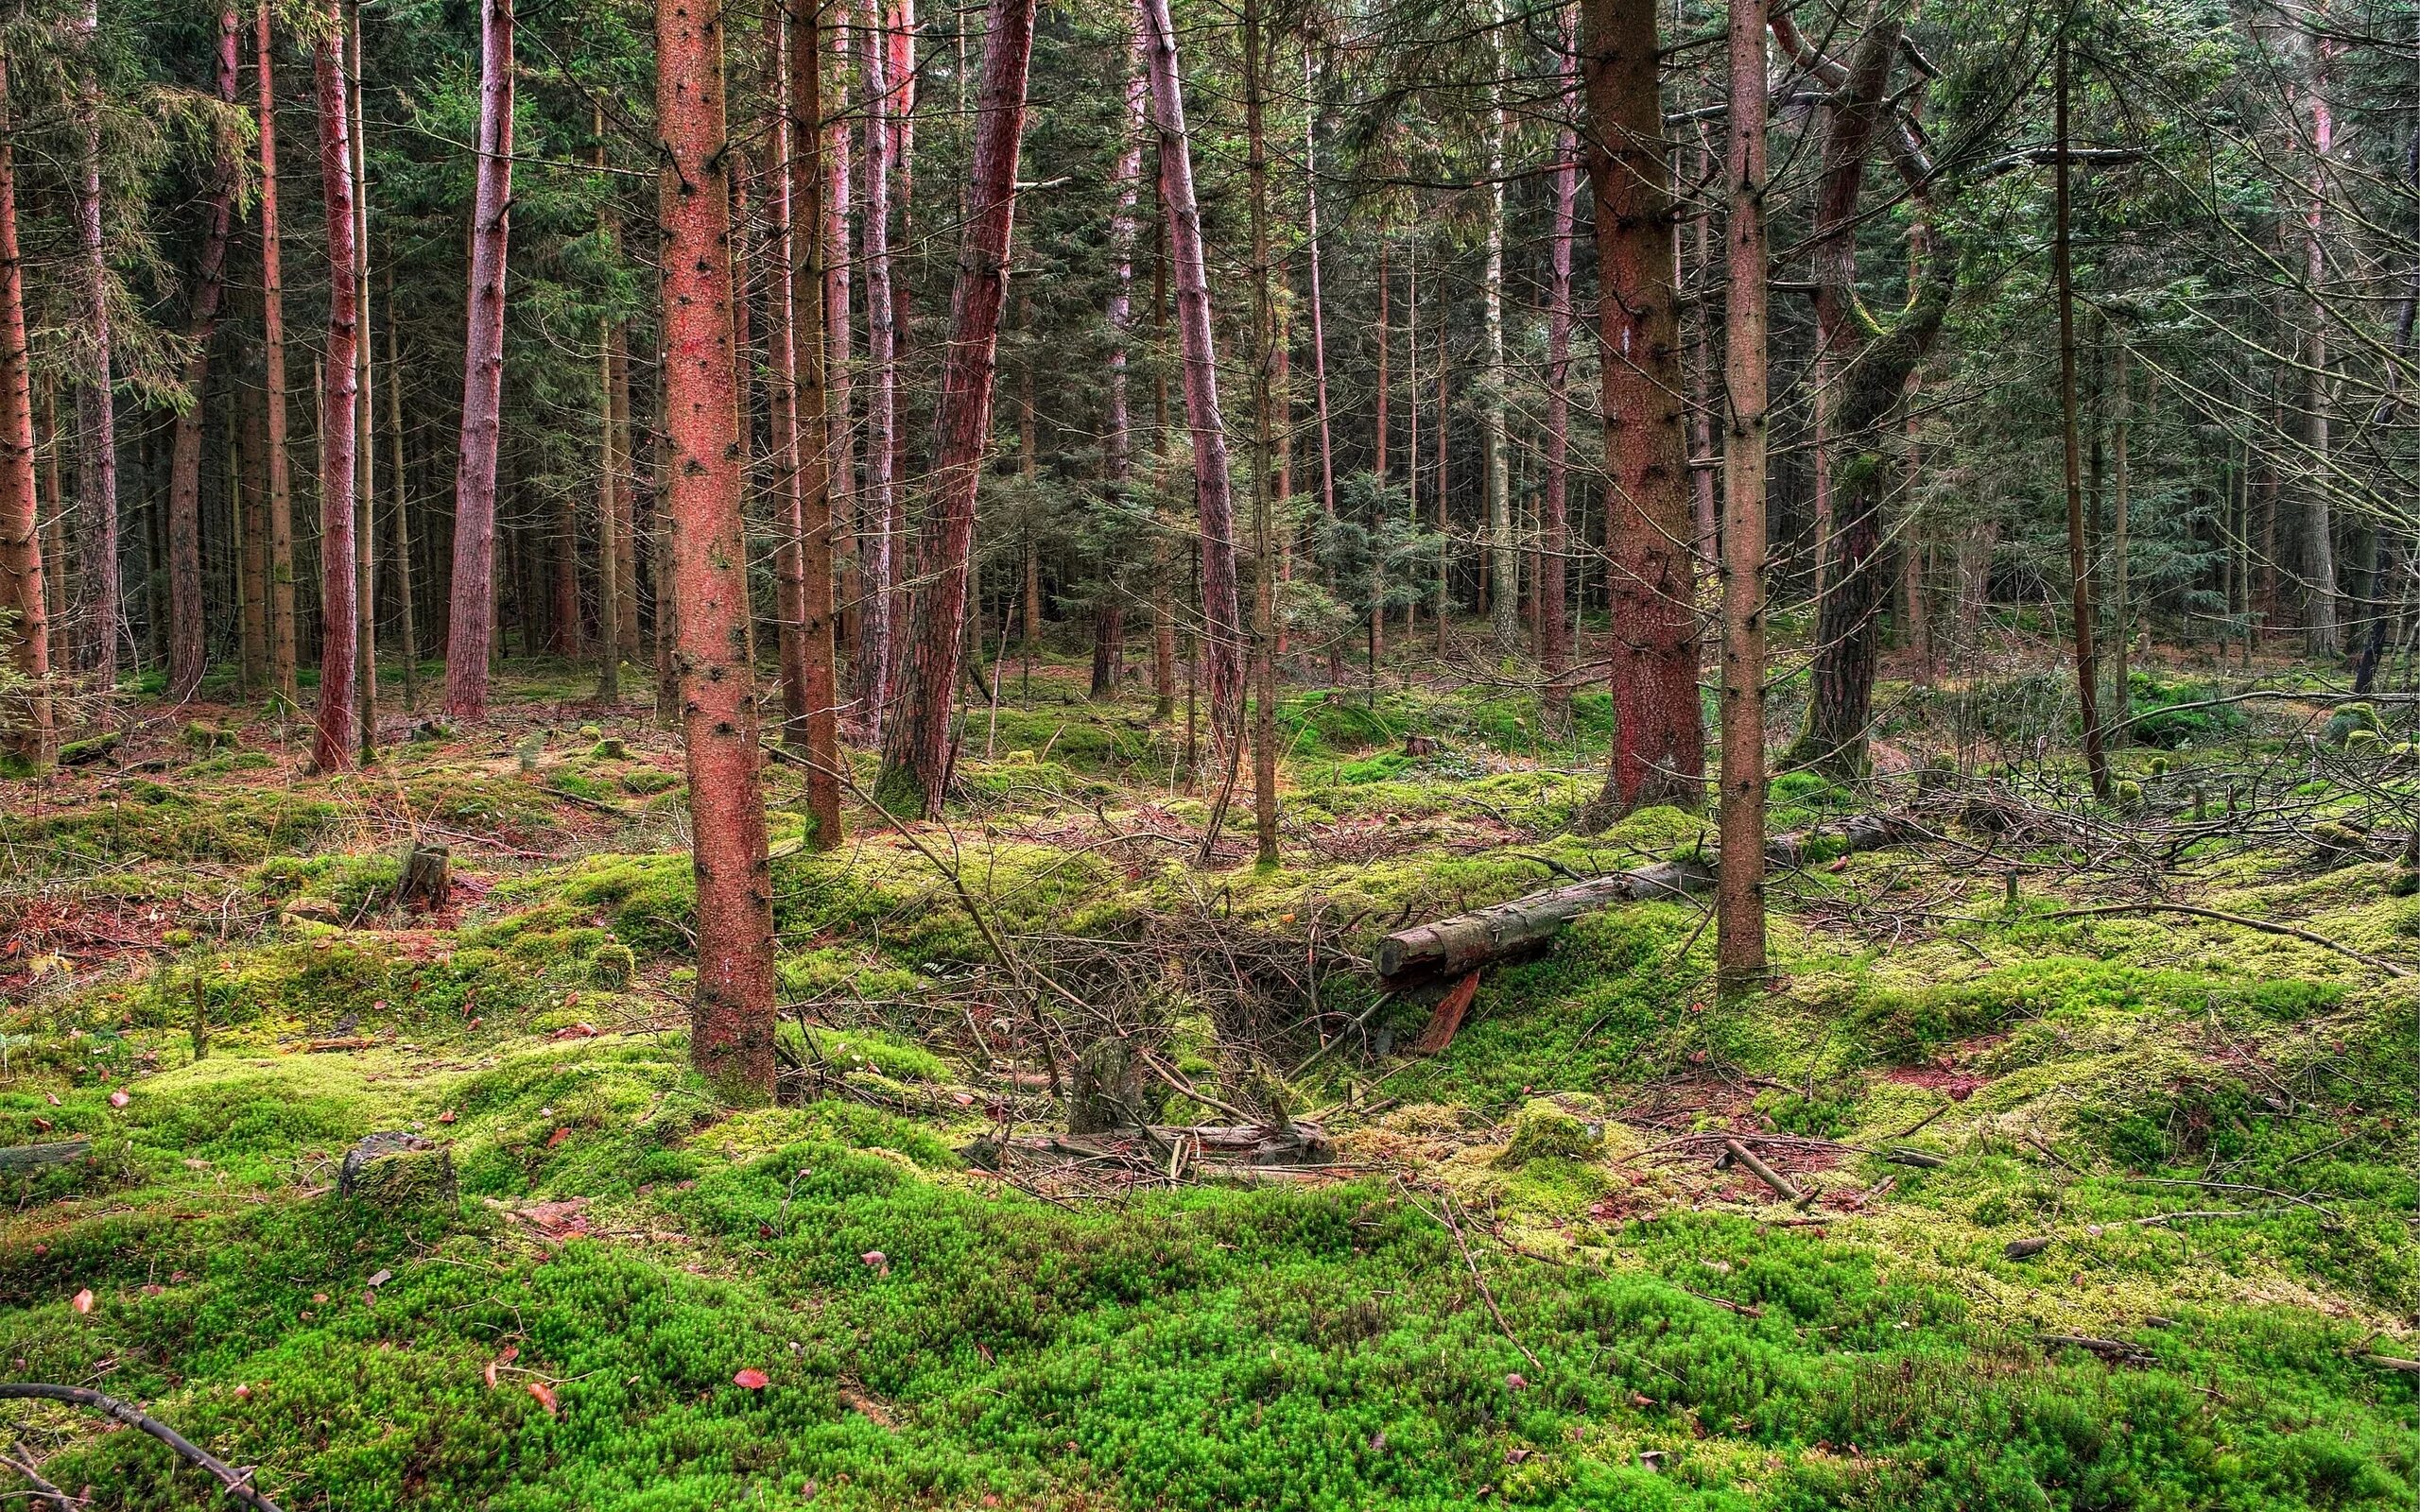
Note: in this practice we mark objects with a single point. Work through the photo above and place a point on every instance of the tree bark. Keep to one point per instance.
(364, 533)
(1222, 613)
(1659, 749)
(2325, 637)
(1554, 635)
(2121, 628)
(841, 398)
(877, 546)
(732, 1019)
(1265, 423)
(2079, 560)
(332, 744)
(1504, 556)
(782, 367)
(96, 405)
(916, 750)
(282, 641)
(1739, 883)
(817, 730)
(186, 656)
(469, 625)
(24, 603)
(408, 628)
(1109, 612)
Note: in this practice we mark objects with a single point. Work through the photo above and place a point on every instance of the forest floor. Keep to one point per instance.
(1517, 1274)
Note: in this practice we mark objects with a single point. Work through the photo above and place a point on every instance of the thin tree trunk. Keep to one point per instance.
(1378, 625)
(611, 585)
(25, 607)
(2079, 560)
(408, 631)
(186, 653)
(731, 1017)
(1504, 552)
(1659, 747)
(1222, 615)
(246, 476)
(365, 534)
(877, 546)
(1264, 639)
(916, 750)
(781, 364)
(1164, 544)
(96, 407)
(1739, 871)
(282, 647)
(1444, 538)
(817, 732)
(56, 570)
(1318, 320)
(1701, 469)
(1412, 442)
(2326, 638)
(2122, 630)
(838, 329)
(1109, 614)
(1554, 640)
(332, 745)
(468, 628)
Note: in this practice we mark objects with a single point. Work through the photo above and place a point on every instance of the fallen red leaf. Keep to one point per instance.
(119, 1099)
(83, 1302)
(546, 1394)
(558, 1137)
(754, 1378)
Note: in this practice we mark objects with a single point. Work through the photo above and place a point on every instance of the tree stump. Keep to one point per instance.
(1112, 1090)
(423, 883)
(396, 1170)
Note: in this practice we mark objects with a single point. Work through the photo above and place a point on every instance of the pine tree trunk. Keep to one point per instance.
(840, 389)
(1739, 880)
(1265, 423)
(284, 653)
(817, 731)
(332, 744)
(1109, 610)
(609, 571)
(1164, 549)
(55, 568)
(1659, 750)
(409, 631)
(25, 607)
(877, 546)
(365, 532)
(2326, 637)
(2079, 559)
(780, 366)
(1504, 554)
(1554, 634)
(96, 408)
(469, 627)
(731, 1034)
(916, 748)
(185, 648)
(1222, 613)
(2121, 628)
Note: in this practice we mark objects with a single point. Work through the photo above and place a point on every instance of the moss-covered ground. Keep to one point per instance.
(1526, 1280)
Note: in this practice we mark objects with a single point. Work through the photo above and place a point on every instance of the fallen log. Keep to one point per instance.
(1502, 931)
(27, 1156)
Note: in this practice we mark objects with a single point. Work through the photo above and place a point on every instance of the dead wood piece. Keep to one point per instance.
(1506, 931)
(426, 879)
(2020, 1249)
(1445, 1020)
(237, 1482)
(1760, 1170)
(1923, 1159)
(2108, 1349)
(2387, 1362)
(27, 1156)
(342, 1041)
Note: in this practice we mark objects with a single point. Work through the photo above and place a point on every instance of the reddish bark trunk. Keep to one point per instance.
(817, 729)
(1659, 749)
(22, 595)
(1739, 876)
(470, 622)
(284, 653)
(1221, 611)
(840, 402)
(1109, 614)
(332, 744)
(782, 366)
(915, 758)
(1319, 323)
(186, 651)
(731, 1025)
(876, 544)
(252, 454)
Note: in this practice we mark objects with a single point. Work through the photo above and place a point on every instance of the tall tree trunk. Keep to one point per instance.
(1109, 612)
(249, 458)
(1377, 620)
(732, 1019)
(916, 747)
(877, 546)
(2121, 628)
(409, 631)
(364, 533)
(1659, 747)
(781, 364)
(2079, 559)
(1264, 421)
(1222, 615)
(1319, 319)
(1504, 551)
(282, 640)
(186, 654)
(1164, 608)
(817, 730)
(1739, 871)
(2325, 637)
(840, 400)
(1554, 637)
(469, 627)
(1702, 469)
(611, 585)
(95, 407)
(332, 744)
(25, 607)
(55, 568)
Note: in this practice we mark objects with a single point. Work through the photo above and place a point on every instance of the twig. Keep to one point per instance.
(2263, 925)
(1760, 1170)
(1170, 1075)
(238, 1482)
(1445, 1217)
(1946, 1106)
(22, 1461)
